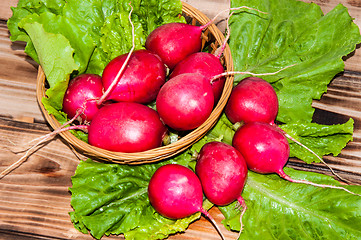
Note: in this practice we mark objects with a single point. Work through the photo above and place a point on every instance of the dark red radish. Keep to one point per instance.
(141, 79)
(174, 41)
(222, 171)
(176, 192)
(82, 95)
(185, 101)
(266, 150)
(126, 127)
(263, 146)
(205, 64)
(252, 100)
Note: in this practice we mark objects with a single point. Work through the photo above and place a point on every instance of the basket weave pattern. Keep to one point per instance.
(211, 38)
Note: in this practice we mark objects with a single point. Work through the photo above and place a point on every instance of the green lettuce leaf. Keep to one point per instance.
(297, 34)
(278, 209)
(25, 8)
(112, 199)
(324, 139)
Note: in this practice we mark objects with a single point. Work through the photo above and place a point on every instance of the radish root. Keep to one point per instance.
(202, 210)
(220, 50)
(42, 140)
(288, 178)
(316, 155)
(229, 9)
(214, 78)
(241, 204)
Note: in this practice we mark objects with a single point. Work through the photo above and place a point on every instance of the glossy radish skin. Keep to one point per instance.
(263, 146)
(185, 101)
(141, 79)
(175, 191)
(174, 41)
(82, 95)
(205, 64)
(222, 171)
(252, 100)
(126, 127)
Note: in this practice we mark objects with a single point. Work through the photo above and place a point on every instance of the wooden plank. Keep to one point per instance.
(17, 80)
(5, 11)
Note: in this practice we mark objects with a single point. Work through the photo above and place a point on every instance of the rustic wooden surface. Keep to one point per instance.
(34, 199)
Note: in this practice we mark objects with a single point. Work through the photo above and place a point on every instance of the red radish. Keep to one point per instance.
(174, 41)
(264, 147)
(222, 171)
(252, 100)
(185, 101)
(266, 150)
(141, 80)
(126, 127)
(206, 64)
(176, 192)
(82, 95)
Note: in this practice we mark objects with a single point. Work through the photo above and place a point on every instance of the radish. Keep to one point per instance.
(266, 150)
(141, 79)
(175, 41)
(206, 64)
(126, 127)
(252, 100)
(185, 101)
(176, 192)
(222, 171)
(81, 95)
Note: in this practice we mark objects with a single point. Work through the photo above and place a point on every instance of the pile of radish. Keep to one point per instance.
(184, 100)
(116, 108)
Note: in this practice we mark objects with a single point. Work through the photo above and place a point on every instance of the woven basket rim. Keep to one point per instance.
(162, 152)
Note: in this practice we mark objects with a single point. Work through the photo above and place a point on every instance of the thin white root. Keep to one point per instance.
(241, 204)
(229, 9)
(249, 73)
(220, 50)
(288, 178)
(41, 141)
(22, 159)
(316, 155)
(213, 222)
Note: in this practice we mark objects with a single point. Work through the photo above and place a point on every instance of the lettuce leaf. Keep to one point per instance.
(278, 209)
(292, 33)
(71, 37)
(323, 139)
(25, 8)
(112, 199)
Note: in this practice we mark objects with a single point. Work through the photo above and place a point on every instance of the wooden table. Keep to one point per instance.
(34, 198)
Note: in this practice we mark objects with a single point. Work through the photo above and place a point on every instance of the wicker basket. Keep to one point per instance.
(212, 39)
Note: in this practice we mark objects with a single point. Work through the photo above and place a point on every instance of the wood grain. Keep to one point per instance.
(34, 198)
